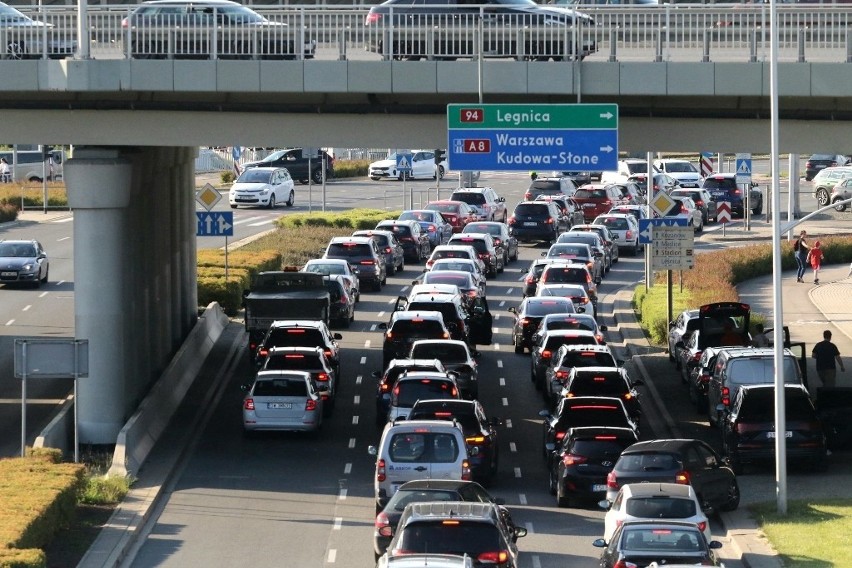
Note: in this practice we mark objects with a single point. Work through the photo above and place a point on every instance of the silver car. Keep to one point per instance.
(282, 400)
(690, 211)
(23, 262)
(26, 38)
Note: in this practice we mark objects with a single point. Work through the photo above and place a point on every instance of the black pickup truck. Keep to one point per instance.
(283, 295)
(296, 161)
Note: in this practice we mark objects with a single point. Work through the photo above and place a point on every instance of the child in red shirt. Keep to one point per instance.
(815, 259)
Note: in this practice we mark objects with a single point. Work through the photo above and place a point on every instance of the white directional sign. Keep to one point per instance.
(743, 168)
(672, 248)
(646, 227)
(215, 224)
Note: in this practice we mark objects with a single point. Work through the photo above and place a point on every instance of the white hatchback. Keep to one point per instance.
(624, 227)
(683, 171)
(265, 187)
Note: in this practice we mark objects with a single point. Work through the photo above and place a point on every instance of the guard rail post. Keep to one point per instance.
(301, 47)
(341, 44)
(848, 45)
(255, 52)
(172, 40)
(705, 57)
(430, 44)
(658, 57)
(613, 45)
(800, 39)
(752, 57)
(44, 32)
(4, 45)
(520, 43)
(386, 42)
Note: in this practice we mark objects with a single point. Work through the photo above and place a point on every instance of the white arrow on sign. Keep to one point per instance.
(646, 234)
(223, 225)
(606, 115)
(209, 222)
(607, 149)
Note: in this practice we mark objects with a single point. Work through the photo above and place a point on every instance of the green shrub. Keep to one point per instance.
(8, 212)
(228, 177)
(351, 168)
(26, 558)
(215, 289)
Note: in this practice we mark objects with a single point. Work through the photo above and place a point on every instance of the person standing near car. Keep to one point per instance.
(827, 358)
(800, 250)
(759, 339)
(5, 172)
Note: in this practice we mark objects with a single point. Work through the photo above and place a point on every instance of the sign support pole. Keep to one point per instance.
(24, 405)
(669, 299)
(76, 416)
(226, 261)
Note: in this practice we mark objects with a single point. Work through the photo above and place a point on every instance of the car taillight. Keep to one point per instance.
(368, 262)
(512, 220)
(561, 375)
(548, 221)
(726, 396)
(389, 335)
(384, 387)
(703, 378)
(570, 459)
(702, 526)
(310, 405)
(628, 235)
(380, 470)
(322, 377)
(344, 299)
(809, 165)
(484, 255)
(525, 322)
(252, 346)
(248, 404)
(696, 357)
(382, 524)
(496, 557)
(445, 335)
(372, 18)
(624, 564)
(682, 477)
(263, 352)
(628, 396)
(737, 192)
(683, 208)
(530, 279)
(546, 354)
(388, 250)
(559, 436)
(527, 196)
(432, 228)
(611, 480)
(465, 475)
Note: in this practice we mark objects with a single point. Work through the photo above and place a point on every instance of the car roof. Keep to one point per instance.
(352, 239)
(664, 445)
(413, 362)
(752, 388)
(327, 261)
(473, 236)
(735, 352)
(303, 350)
(656, 489)
(471, 189)
(430, 559)
(316, 324)
(450, 509)
(598, 370)
(467, 405)
(185, 2)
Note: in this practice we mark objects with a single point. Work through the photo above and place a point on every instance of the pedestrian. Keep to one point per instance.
(800, 250)
(759, 339)
(730, 338)
(815, 260)
(827, 358)
(5, 174)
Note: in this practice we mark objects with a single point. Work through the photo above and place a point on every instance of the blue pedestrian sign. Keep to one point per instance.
(214, 224)
(646, 227)
(403, 163)
(743, 168)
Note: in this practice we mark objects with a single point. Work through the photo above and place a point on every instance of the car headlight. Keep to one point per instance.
(29, 267)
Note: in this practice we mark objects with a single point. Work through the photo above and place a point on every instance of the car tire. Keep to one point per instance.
(562, 501)
(291, 199)
(840, 208)
(757, 210)
(401, 264)
(552, 482)
(44, 280)
(822, 196)
(375, 178)
(519, 347)
(733, 494)
(316, 176)
(271, 204)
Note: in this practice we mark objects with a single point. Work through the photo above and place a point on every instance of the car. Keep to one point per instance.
(699, 378)
(625, 229)
(456, 251)
(471, 266)
(304, 164)
(336, 267)
(311, 360)
(825, 181)
(546, 345)
(610, 246)
(265, 187)
(638, 211)
(425, 491)
(492, 256)
(579, 178)
(457, 213)
(406, 19)
(551, 186)
(670, 543)
(300, 333)
(456, 357)
(575, 292)
(703, 201)
(480, 432)
(412, 386)
(478, 530)
(414, 241)
(841, 191)
(389, 247)
(601, 252)
(662, 182)
(605, 381)
(571, 321)
(387, 378)
(631, 192)
(647, 501)
(534, 221)
(678, 460)
(23, 262)
(192, 21)
(724, 187)
(529, 313)
(500, 233)
(579, 463)
(464, 281)
(567, 253)
(446, 300)
(567, 207)
(362, 253)
(684, 171)
(433, 223)
(714, 320)
(680, 329)
(596, 199)
(818, 162)
(484, 201)
(583, 411)
(532, 276)
(406, 327)
(417, 449)
(685, 208)
(566, 359)
(282, 401)
(422, 166)
(26, 38)
(342, 311)
(749, 428)
(626, 168)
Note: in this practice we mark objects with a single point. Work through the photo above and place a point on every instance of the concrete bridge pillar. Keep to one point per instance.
(98, 182)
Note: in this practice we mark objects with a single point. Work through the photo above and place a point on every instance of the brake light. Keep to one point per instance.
(383, 526)
(384, 387)
(497, 557)
(295, 331)
(702, 526)
(625, 564)
(372, 18)
(388, 250)
(380, 470)
(546, 354)
(525, 322)
(703, 378)
(548, 221)
(530, 279)
(559, 436)
(570, 459)
(263, 352)
(605, 437)
(248, 404)
(450, 523)
(527, 196)
(310, 405)
(737, 192)
(562, 375)
(682, 477)
(294, 356)
(466, 471)
(445, 335)
(512, 220)
(683, 208)
(611, 480)
(696, 357)
(389, 335)
(629, 235)
(726, 396)
(432, 228)
(322, 377)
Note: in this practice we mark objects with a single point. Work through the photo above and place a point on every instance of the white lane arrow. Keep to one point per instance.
(606, 115)
(223, 225)
(607, 149)
(209, 222)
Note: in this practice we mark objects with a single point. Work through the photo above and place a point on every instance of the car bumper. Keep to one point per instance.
(525, 234)
(339, 311)
(306, 425)
(12, 276)
(590, 487)
(766, 454)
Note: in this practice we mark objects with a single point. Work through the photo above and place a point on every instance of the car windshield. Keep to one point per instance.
(660, 507)
(445, 207)
(323, 268)
(295, 337)
(598, 385)
(348, 250)
(405, 496)
(280, 387)
(447, 353)
(17, 250)
(549, 306)
(590, 194)
(681, 167)
(406, 393)
(460, 537)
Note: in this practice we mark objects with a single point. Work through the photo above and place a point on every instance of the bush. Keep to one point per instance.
(31, 195)
(8, 212)
(228, 177)
(351, 168)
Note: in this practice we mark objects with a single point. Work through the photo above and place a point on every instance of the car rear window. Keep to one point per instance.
(637, 167)
(588, 359)
(661, 541)
(399, 230)
(432, 447)
(554, 343)
(660, 507)
(478, 244)
(439, 277)
(598, 449)
(546, 307)
(280, 387)
(407, 392)
(760, 407)
(590, 194)
(292, 362)
(402, 498)
(469, 198)
(451, 254)
(295, 336)
(759, 370)
(545, 186)
(348, 250)
(447, 309)
(447, 353)
(616, 223)
(335, 292)
(650, 461)
(417, 326)
(720, 183)
(593, 415)
(535, 209)
(566, 274)
(452, 537)
(598, 385)
(493, 230)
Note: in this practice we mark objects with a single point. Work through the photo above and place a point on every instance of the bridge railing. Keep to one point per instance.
(670, 32)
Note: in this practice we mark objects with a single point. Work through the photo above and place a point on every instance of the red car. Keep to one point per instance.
(457, 213)
(597, 199)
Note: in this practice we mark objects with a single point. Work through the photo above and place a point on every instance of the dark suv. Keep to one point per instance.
(584, 411)
(529, 314)
(405, 328)
(301, 333)
(552, 186)
(311, 360)
(296, 161)
(537, 221)
(682, 460)
(362, 253)
(483, 244)
(479, 530)
(393, 370)
(748, 431)
(724, 187)
(819, 162)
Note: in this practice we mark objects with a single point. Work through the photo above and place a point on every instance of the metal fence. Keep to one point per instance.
(671, 32)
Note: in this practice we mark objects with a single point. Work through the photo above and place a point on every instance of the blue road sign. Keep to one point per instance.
(743, 168)
(403, 163)
(215, 224)
(645, 225)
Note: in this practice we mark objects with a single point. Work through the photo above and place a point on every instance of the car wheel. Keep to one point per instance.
(317, 176)
(390, 269)
(44, 280)
(552, 482)
(519, 348)
(401, 264)
(562, 500)
(733, 494)
(271, 204)
(822, 196)
(841, 207)
(375, 178)
(291, 199)
(757, 210)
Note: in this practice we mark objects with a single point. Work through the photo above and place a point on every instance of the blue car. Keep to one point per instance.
(432, 223)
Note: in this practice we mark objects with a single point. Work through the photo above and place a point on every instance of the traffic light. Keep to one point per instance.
(439, 157)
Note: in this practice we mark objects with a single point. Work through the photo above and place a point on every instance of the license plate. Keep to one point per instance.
(279, 405)
(787, 434)
(530, 223)
(589, 205)
(599, 487)
(8, 274)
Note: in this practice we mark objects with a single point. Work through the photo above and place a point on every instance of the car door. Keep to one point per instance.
(716, 477)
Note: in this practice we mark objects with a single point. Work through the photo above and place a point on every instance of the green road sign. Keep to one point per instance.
(520, 116)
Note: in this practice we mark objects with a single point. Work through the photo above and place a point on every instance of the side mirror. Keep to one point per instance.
(603, 328)
(544, 413)
(544, 253)
(715, 544)
(337, 336)
(605, 505)
(382, 326)
(637, 383)
(245, 388)
(499, 501)
(680, 345)
(599, 543)
(477, 354)
(372, 450)
(522, 532)
(581, 310)
(550, 446)
(512, 310)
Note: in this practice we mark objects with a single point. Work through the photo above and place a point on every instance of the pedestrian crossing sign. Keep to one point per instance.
(403, 162)
(743, 168)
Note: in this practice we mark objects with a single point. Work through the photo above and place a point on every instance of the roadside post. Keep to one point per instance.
(744, 178)
(403, 166)
(210, 223)
(723, 214)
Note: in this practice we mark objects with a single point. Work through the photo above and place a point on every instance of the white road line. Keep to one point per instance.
(358, 379)
(65, 220)
(42, 295)
(10, 322)
(505, 401)
(357, 399)
(404, 288)
(363, 360)
(529, 526)
(367, 344)
(380, 315)
(27, 307)
(245, 220)
(338, 523)
(373, 327)
(496, 347)
(518, 472)
(62, 239)
(536, 561)
(332, 556)
(502, 303)
(355, 419)
(261, 223)
(342, 495)
(509, 290)
(351, 443)
(59, 282)
(499, 363)
(522, 498)
(347, 469)
(392, 301)
(508, 422)
(496, 318)
(512, 447)
(502, 382)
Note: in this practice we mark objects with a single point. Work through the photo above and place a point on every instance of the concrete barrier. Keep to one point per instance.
(144, 428)
(59, 432)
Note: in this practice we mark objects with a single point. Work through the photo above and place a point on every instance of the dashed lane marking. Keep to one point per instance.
(502, 382)
(338, 523)
(351, 443)
(363, 360)
(512, 447)
(355, 419)
(499, 363)
(347, 469)
(505, 401)
(357, 400)
(518, 472)
(522, 498)
(332, 556)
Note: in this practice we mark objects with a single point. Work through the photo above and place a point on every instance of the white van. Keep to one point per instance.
(26, 165)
